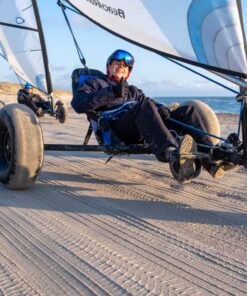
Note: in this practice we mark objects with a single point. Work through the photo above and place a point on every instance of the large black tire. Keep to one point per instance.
(21, 146)
(62, 112)
(209, 118)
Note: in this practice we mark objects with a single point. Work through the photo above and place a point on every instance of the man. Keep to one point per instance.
(33, 101)
(143, 120)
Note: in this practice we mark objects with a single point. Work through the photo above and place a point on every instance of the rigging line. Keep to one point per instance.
(196, 129)
(81, 57)
(18, 27)
(59, 3)
(185, 60)
(202, 75)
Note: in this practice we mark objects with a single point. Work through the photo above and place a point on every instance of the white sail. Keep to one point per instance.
(207, 33)
(21, 42)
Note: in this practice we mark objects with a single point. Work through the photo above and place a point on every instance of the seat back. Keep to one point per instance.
(80, 75)
(103, 132)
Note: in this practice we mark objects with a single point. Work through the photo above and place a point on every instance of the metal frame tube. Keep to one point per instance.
(110, 149)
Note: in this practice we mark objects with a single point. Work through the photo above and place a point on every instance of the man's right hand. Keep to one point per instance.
(40, 112)
(121, 89)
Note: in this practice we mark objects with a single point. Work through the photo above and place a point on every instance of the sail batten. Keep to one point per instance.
(208, 33)
(22, 43)
(18, 26)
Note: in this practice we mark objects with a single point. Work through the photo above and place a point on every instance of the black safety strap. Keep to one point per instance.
(88, 135)
(81, 57)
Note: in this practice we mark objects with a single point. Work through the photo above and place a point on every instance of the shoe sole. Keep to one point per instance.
(186, 166)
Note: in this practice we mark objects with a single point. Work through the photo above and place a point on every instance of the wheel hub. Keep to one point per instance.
(7, 147)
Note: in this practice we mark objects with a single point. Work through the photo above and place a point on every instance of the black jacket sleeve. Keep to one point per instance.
(93, 94)
(97, 92)
(24, 99)
(138, 95)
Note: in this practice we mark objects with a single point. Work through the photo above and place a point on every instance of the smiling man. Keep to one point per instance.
(136, 118)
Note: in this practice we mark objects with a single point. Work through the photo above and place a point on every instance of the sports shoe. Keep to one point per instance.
(216, 168)
(183, 168)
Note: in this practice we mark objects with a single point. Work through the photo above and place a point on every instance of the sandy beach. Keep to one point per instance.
(122, 228)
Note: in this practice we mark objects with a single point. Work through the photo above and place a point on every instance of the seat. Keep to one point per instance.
(99, 121)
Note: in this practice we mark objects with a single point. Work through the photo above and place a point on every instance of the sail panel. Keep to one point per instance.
(20, 42)
(204, 33)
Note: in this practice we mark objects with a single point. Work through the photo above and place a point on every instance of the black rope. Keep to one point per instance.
(204, 76)
(81, 57)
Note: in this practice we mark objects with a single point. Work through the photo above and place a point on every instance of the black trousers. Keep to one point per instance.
(143, 123)
(44, 105)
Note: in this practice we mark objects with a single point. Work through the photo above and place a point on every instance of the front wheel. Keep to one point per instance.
(61, 112)
(21, 146)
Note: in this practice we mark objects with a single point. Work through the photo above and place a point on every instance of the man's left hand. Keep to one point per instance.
(164, 112)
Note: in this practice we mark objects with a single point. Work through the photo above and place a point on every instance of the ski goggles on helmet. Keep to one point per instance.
(121, 55)
(28, 86)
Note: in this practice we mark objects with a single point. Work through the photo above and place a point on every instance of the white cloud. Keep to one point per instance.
(169, 87)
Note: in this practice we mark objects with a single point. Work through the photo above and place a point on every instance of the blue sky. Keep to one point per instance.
(152, 73)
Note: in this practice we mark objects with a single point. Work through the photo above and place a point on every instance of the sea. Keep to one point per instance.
(218, 104)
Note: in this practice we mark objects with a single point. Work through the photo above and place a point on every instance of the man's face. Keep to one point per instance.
(28, 90)
(118, 69)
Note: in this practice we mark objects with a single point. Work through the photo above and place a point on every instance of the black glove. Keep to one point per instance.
(164, 112)
(121, 89)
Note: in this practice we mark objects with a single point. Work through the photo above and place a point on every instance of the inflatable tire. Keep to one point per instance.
(62, 112)
(208, 116)
(21, 146)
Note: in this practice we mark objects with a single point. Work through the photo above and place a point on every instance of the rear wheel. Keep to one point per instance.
(21, 146)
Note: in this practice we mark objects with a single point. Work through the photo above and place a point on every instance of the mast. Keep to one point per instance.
(43, 47)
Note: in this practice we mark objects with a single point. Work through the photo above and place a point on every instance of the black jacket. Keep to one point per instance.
(29, 99)
(96, 94)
